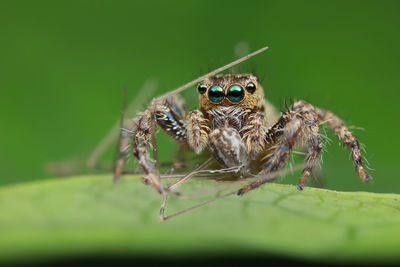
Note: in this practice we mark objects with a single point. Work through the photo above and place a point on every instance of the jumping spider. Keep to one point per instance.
(235, 125)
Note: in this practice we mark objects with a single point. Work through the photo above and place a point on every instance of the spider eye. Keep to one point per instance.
(235, 93)
(202, 88)
(251, 87)
(216, 94)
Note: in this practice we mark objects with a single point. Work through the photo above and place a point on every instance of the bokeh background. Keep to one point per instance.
(63, 65)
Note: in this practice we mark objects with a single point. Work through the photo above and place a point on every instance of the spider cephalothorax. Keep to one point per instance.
(240, 129)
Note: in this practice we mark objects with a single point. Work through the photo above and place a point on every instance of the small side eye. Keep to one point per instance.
(251, 87)
(202, 88)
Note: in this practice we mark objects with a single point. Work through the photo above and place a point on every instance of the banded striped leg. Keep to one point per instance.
(289, 127)
(340, 129)
(197, 130)
(313, 137)
(253, 134)
(287, 132)
(168, 114)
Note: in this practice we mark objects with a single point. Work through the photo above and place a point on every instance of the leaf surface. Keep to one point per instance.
(90, 215)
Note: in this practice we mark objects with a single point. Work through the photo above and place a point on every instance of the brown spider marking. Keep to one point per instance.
(235, 124)
(197, 131)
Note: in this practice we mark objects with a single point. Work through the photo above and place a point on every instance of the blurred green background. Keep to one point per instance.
(63, 65)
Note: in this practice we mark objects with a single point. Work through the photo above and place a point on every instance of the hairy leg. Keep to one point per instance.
(286, 134)
(289, 127)
(168, 114)
(340, 129)
(253, 133)
(197, 130)
(302, 121)
(313, 138)
(170, 117)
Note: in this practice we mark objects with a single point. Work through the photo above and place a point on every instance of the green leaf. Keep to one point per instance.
(86, 215)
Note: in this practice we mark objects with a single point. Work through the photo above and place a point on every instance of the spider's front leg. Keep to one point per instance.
(286, 134)
(169, 114)
(253, 134)
(197, 131)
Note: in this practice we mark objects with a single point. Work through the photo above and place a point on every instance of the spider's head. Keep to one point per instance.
(242, 90)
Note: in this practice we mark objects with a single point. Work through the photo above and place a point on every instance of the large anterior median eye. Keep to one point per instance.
(216, 94)
(235, 93)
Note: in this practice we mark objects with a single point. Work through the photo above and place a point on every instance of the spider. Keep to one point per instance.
(237, 126)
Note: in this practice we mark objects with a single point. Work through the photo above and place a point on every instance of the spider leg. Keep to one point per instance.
(170, 117)
(197, 130)
(189, 175)
(340, 129)
(253, 134)
(162, 217)
(192, 131)
(165, 113)
(316, 172)
(162, 209)
(288, 128)
(313, 136)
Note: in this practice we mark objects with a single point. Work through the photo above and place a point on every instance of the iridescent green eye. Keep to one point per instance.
(235, 93)
(216, 94)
